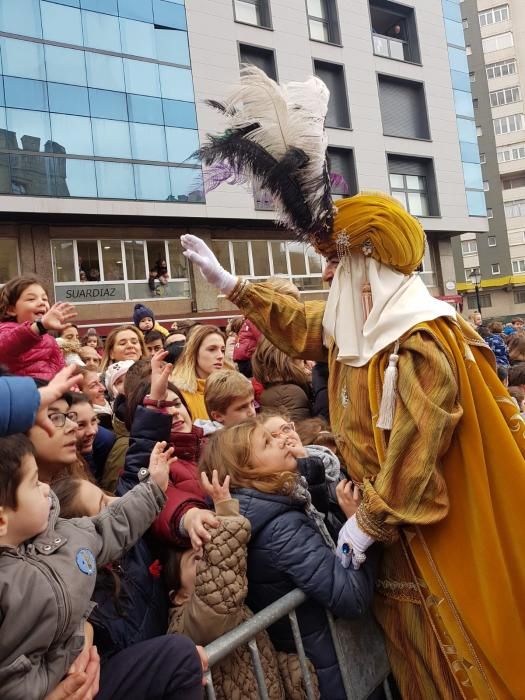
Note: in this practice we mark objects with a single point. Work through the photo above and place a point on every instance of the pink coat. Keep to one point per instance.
(246, 341)
(27, 354)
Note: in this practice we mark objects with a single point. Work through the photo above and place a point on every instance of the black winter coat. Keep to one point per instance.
(287, 551)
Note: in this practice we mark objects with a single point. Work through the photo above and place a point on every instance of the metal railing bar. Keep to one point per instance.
(223, 646)
(259, 673)
(387, 690)
(302, 657)
(342, 662)
(210, 689)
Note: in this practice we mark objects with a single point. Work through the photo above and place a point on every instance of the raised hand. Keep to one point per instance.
(159, 469)
(64, 381)
(215, 490)
(348, 496)
(194, 521)
(58, 316)
(198, 252)
(160, 375)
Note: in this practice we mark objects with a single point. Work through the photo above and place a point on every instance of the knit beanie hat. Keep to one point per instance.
(140, 311)
(114, 372)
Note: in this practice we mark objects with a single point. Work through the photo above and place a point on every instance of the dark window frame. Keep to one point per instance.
(262, 49)
(401, 79)
(332, 23)
(345, 86)
(432, 185)
(264, 11)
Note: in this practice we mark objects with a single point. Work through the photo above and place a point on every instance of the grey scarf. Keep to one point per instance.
(300, 494)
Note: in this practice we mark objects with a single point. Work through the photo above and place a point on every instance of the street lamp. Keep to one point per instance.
(475, 278)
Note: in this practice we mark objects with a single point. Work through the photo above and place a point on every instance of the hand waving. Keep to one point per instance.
(58, 316)
(159, 469)
(160, 375)
(198, 252)
(214, 489)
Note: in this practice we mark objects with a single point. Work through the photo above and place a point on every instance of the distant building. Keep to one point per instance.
(103, 111)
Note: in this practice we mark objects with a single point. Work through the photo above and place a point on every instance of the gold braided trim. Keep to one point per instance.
(372, 527)
(405, 591)
(238, 291)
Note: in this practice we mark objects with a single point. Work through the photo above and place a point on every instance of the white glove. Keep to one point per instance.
(358, 541)
(198, 252)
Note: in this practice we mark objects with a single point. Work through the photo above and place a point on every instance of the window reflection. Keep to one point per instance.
(176, 83)
(143, 109)
(186, 185)
(169, 15)
(152, 182)
(68, 99)
(65, 65)
(61, 23)
(138, 38)
(115, 180)
(23, 59)
(142, 78)
(181, 144)
(112, 260)
(148, 142)
(105, 72)
(111, 138)
(80, 178)
(177, 113)
(21, 17)
(25, 94)
(107, 104)
(172, 46)
(108, 6)
(136, 9)
(32, 129)
(73, 134)
(101, 31)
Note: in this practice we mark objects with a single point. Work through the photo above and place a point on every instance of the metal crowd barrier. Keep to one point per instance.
(358, 645)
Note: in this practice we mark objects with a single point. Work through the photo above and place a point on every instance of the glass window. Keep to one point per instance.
(107, 104)
(88, 260)
(71, 3)
(314, 260)
(29, 124)
(33, 175)
(186, 184)
(61, 23)
(111, 138)
(178, 263)
(135, 261)
(476, 203)
(458, 59)
(280, 266)
(247, 11)
(169, 15)
(23, 59)
(80, 178)
(176, 83)
(181, 144)
(397, 181)
(136, 9)
(25, 94)
(68, 99)
(461, 81)
(142, 78)
(63, 261)
(143, 109)
(138, 38)
(20, 17)
(65, 65)
(466, 130)
(178, 113)
(451, 10)
(240, 257)
(454, 32)
(463, 102)
(115, 180)
(108, 6)
(105, 72)
(112, 260)
(148, 142)
(5, 177)
(152, 182)
(417, 203)
(156, 251)
(469, 152)
(297, 261)
(222, 252)
(101, 31)
(172, 46)
(261, 262)
(73, 134)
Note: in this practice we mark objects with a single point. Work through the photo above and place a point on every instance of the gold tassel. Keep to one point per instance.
(387, 410)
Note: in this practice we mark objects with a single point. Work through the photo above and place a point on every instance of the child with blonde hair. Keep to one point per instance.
(229, 399)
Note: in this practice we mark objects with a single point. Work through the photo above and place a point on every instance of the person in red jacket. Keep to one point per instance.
(156, 407)
(26, 316)
(245, 347)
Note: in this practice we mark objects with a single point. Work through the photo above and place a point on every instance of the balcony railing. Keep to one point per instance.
(391, 48)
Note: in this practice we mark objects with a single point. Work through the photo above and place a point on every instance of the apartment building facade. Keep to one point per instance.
(495, 37)
(103, 107)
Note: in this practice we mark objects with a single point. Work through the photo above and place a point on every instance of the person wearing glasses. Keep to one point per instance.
(56, 455)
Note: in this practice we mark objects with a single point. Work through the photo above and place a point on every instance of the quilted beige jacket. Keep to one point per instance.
(217, 606)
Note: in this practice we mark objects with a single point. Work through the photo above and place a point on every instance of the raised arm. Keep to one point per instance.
(294, 327)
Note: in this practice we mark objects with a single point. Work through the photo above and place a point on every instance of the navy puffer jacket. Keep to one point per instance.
(287, 551)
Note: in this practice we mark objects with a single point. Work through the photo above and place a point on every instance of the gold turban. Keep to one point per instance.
(397, 238)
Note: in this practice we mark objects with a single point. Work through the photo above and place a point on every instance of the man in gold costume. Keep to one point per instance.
(429, 433)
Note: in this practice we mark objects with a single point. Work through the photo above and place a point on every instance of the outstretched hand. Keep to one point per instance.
(160, 375)
(63, 381)
(216, 491)
(194, 521)
(58, 316)
(198, 252)
(159, 460)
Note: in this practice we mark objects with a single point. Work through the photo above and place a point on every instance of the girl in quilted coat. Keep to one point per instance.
(26, 316)
(209, 587)
(290, 546)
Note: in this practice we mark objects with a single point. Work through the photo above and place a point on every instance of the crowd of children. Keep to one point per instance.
(149, 503)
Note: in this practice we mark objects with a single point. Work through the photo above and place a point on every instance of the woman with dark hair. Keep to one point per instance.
(157, 411)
